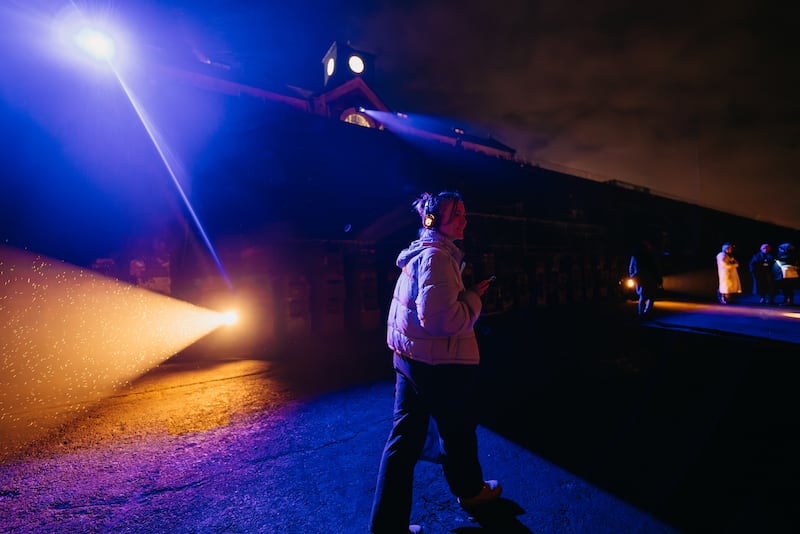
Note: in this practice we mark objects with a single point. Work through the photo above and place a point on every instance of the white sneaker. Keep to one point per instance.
(490, 491)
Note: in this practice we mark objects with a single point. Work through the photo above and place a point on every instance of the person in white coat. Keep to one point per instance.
(430, 331)
(728, 274)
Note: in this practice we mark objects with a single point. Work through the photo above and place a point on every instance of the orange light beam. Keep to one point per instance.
(69, 337)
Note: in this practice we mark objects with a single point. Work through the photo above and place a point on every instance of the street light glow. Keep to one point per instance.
(90, 36)
(96, 43)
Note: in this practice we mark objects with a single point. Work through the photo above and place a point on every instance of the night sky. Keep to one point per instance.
(695, 100)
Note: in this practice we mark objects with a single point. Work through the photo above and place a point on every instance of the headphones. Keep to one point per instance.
(433, 204)
(429, 219)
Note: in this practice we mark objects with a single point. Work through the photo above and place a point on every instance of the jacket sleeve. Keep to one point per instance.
(755, 260)
(444, 307)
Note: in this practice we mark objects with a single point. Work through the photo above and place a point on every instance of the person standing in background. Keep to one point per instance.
(786, 272)
(643, 269)
(761, 265)
(728, 274)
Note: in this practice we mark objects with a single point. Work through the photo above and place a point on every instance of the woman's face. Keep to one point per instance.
(454, 220)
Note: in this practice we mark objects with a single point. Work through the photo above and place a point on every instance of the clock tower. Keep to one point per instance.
(343, 63)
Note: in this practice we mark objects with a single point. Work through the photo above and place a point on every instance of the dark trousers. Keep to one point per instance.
(645, 299)
(787, 287)
(449, 394)
(763, 286)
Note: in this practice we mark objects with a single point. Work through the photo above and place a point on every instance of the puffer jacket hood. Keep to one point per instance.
(429, 238)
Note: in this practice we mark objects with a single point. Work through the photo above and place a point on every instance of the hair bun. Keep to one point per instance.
(421, 203)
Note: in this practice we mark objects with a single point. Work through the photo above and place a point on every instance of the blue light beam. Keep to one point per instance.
(172, 169)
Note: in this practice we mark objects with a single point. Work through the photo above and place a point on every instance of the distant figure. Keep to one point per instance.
(728, 274)
(761, 269)
(643, 269)
(785, 270)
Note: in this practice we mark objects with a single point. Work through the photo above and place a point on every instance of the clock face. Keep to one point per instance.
(356, 64)
(330, 66)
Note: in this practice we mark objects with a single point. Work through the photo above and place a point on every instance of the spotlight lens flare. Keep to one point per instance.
(230, 317)
(89, 37)
(96, 43)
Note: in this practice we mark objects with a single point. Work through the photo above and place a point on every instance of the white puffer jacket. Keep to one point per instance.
(432, 316)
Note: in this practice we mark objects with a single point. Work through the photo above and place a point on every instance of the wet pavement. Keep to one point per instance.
(593, 422)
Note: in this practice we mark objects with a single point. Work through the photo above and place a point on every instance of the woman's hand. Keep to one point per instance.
(481, 287)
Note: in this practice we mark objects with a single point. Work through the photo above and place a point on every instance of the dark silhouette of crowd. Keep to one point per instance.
(775, 274)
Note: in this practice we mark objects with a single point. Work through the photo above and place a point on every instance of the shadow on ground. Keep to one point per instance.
(698, 430)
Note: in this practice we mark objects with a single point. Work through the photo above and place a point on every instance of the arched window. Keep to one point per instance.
(358, 118)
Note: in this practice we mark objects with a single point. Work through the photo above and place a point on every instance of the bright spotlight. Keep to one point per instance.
(85, 35)
(230, 317)
(96, 43)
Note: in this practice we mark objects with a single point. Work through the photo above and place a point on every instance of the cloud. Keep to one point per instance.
(694, 100)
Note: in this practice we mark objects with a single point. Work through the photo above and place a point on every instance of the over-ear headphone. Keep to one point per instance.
(431, 208)
(429, 219)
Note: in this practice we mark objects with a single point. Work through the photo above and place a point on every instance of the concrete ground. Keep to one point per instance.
(592, 421)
